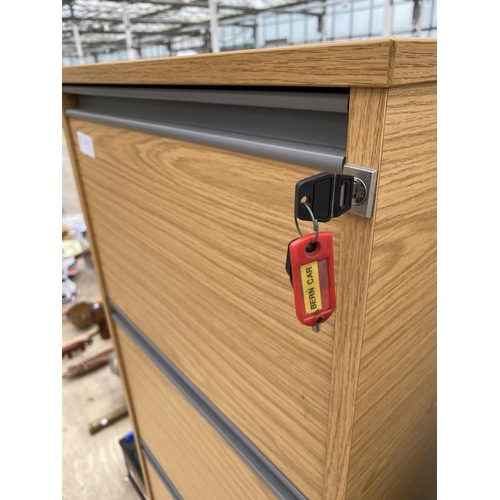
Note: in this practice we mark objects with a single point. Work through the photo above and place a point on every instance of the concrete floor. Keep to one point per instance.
(93, 466)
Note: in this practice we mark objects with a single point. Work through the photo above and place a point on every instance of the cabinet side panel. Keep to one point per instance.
(364, 147)
(70, 102)
(393, 449)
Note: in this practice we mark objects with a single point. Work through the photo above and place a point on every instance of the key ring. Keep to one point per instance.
(314, 221)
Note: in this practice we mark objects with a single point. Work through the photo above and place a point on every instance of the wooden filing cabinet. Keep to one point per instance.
(186, 169)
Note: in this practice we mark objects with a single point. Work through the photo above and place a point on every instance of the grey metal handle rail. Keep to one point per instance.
(301, 128)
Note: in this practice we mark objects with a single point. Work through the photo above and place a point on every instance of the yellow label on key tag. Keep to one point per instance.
(311, 290)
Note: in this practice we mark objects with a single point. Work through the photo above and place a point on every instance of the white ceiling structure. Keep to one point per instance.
(102, 24)
(95, 30)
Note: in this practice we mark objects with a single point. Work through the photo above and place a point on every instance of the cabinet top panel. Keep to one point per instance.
(382, 62)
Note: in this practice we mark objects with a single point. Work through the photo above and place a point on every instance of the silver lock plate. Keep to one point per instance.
(365, 181)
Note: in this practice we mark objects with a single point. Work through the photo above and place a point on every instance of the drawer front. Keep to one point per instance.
(158, 490)
(192, 244)
(196, 459)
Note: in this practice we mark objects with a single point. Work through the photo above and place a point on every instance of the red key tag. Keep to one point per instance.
(313, 279)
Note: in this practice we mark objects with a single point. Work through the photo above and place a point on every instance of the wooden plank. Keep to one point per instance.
(364, 147)
(414, 61)
(393, 453)
(158, 490)
(338, 64)
(194, 456)
(382, 62)
(70, 102)
(193, 242)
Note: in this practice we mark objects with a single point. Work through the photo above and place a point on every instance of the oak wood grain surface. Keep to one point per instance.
(69, 102)
(393, 453)
(157, 487)
(193, 242)
(414, 61)
(197, 460)
(361, 63)
(364, 147)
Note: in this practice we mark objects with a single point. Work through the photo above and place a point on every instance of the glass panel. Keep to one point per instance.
(283, 26)
(342, 7)
(361, 23)
(312, 29)
(298, 29)
(403, 15)
(362, 4)
(249, 37)
(377, 21)
(403, 34)
(224, 33)
(425, 14)
(239, 37)
(341, 25)
(269, 28)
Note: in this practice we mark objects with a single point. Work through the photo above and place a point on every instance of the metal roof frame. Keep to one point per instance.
(102, 26)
